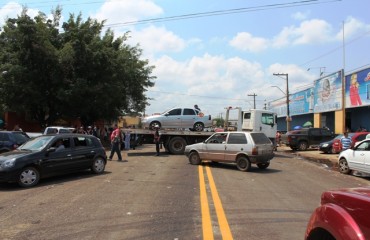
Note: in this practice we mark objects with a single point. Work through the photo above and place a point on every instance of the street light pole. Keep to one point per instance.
(288, 119)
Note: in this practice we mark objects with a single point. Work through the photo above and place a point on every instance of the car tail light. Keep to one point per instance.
(255, 151)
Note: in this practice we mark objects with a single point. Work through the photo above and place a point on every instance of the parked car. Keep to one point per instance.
(330, 146)
(356, 137)
(184, 118)
(356, 158)
(58, 129)
(40, 157)
(10, 140)
(242, 148)
(342, 215)
(304, 138)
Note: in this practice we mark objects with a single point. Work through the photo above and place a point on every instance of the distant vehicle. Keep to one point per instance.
(356, 137)
(305, 138)
(330, 146)
(179, 118)
(58, 129)
(342, 215)
(40, 157)
(356, 158)
(241, 148)
(10, 140)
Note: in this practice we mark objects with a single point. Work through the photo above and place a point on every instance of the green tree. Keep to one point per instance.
(76, 73)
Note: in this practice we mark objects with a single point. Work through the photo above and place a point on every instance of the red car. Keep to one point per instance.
(343, 215)
(356, 137)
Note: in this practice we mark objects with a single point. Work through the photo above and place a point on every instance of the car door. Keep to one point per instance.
(57, 161)
(83, 152)
(360, 160)
(316, 136)
(188, 118)
(172, 119)
(215, 147)
(236, 142)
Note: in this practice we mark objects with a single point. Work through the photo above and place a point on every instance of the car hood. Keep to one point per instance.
(194, 146)
(327, 142)
(346, 194)
(14, 154)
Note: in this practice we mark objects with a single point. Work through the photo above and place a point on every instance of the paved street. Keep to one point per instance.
(149, 197)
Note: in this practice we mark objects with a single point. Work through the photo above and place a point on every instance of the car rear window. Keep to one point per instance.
(260, 138)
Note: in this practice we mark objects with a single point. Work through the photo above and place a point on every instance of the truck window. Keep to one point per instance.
(315, 132)
(267, 118)
(326, 132)
(237, 138)
(188, 111)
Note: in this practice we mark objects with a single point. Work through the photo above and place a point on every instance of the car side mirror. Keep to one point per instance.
(51, 149)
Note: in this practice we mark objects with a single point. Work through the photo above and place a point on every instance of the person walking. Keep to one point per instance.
(157, 139)
(116, 140)
(346, 141)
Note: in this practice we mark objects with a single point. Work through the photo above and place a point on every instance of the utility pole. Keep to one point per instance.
(254, 99)
(288, 119)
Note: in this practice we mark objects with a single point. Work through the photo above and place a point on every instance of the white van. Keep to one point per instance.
(57, 130)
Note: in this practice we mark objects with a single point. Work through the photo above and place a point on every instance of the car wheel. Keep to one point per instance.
(343, 166)
(28, 177)
(243, 164)
(98, 165)
(177, 145)
(332, 150)
(194, 158)
(198, 126)
(303, 146)
(154, 123)
(263, 165)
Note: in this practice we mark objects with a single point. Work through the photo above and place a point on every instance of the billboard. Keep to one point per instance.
(328, 93)
(358, 89)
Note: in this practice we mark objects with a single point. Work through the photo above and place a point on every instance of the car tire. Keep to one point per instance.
(332, 151)
(263, 165)
(152, 124)
(243, 164)
(98, 165)
(28, 177)
(194, 158)
(343, 166)
(303, 146)
(198, 127)
(177, 145)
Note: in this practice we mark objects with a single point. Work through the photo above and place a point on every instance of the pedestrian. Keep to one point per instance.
(116, 140)
(278, 138)
(17, 128)
(81, 130)
(196, 107)
(346, 141)
(157, 138)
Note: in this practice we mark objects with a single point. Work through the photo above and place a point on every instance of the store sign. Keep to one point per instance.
(328, 93)
(358, 89)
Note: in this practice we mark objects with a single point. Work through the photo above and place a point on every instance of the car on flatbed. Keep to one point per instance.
(241, 148)
(342, 215)
(179, 118)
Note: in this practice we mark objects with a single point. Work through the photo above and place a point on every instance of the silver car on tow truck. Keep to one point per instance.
(241, 148)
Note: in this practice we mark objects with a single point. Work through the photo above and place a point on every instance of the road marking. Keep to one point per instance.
(206, 218)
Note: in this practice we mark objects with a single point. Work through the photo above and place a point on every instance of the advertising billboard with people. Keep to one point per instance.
(358, 89)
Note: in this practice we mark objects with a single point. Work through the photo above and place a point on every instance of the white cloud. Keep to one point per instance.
(157, 39)
(352, 26)
(309, 32)
(246, 42)
(14, 9)
(300, 15)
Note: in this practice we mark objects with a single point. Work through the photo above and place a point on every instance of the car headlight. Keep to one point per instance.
(325, 145)
(8, 164)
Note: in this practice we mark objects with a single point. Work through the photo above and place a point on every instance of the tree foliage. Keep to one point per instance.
(76, 72)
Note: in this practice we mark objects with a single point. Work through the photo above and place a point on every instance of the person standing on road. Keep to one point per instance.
(116, 140)
(157, 139)
(346, 141)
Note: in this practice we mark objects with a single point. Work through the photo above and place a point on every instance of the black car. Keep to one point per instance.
(49, 155)
(327, 147)
(10, 140)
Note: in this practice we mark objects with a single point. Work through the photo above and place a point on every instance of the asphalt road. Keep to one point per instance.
(149, 197)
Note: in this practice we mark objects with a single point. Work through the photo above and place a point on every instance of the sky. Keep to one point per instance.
(218, 54)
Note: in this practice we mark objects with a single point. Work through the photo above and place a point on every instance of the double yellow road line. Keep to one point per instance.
(206, 216)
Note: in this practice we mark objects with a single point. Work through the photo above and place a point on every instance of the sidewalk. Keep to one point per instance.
(313, 155)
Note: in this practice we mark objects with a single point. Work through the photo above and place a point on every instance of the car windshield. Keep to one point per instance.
(36, 144)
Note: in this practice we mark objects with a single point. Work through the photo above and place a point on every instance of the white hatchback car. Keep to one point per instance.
(242, 148)
(184, 118)
(356, 158)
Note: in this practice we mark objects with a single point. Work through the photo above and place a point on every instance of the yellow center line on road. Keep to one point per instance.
(206, 217)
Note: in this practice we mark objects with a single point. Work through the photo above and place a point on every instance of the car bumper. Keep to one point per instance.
(9, 176)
